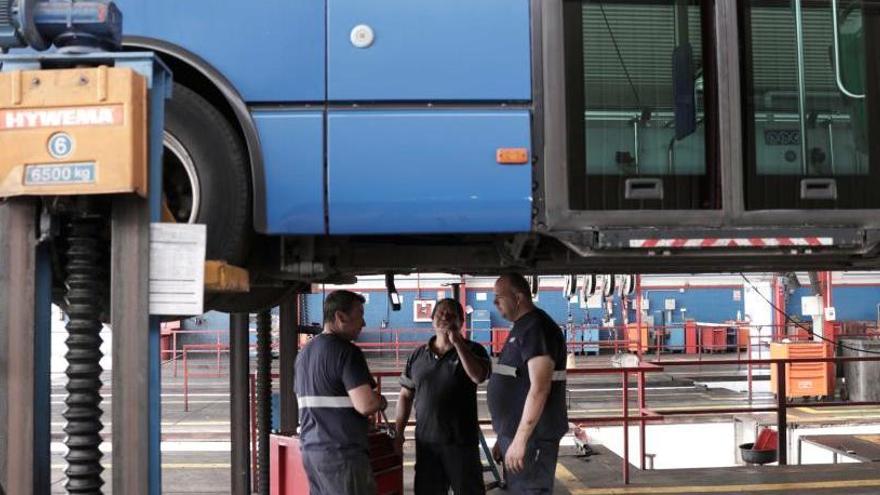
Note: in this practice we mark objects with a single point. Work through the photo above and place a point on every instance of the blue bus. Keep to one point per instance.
(318, 139)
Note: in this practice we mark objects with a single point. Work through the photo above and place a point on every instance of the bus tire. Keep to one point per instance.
(206, 175)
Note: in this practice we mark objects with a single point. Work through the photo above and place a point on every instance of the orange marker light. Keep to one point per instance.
(512, 156)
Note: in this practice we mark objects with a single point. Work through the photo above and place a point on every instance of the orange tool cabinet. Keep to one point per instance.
(690, 337)
(637, 338)
(743, 337)
(713, 339)
(804, 379)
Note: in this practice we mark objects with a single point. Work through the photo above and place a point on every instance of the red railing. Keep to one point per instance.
(177, 353)
(646, 414)
(199, 348)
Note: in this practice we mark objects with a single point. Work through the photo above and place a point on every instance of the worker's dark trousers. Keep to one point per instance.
(540, 468)
(441, 466)
(337, 473)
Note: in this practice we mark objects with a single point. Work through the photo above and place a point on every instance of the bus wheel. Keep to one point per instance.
(205, 175)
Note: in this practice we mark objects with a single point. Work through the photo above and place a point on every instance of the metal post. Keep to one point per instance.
(802, 84)
(642, 435)
(17, 352)
(638, 294)
(289, 336)
(749, 351)
(137, 400)
(239, 414)
(185, 382)
(42, 369)
(132, 421)
(174, 351)
(781, 414)
(827, 302)
(625, 428)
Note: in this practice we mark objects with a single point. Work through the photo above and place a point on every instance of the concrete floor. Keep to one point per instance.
(195, 457)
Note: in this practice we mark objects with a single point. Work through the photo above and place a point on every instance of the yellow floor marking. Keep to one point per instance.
(768, 487)
(843, 409)
(173, 465)
(567, 478)
(824, 419)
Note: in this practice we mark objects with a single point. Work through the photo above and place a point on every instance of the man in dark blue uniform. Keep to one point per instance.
(527, 391)
(442, 377)
(334, 389)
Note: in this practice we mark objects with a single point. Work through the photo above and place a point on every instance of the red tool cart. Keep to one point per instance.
(287, 476)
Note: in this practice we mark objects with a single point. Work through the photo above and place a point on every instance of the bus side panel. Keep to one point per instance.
(293, 148)
(398, 172)
(271, 50)
(430, 50)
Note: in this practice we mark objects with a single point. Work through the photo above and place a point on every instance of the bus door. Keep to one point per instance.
(639, 85)
(809, 76)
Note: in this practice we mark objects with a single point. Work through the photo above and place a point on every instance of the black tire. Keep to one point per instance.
(199, 137)
(197, 131)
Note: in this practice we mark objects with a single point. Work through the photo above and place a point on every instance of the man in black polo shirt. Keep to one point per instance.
(442, 377)
(334, 389)
(527, 391)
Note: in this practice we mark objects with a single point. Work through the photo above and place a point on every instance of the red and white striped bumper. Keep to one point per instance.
(744, 242)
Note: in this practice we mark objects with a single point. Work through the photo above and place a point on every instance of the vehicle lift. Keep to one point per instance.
(80, 163)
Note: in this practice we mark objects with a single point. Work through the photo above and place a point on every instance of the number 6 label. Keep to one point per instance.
(60, 145)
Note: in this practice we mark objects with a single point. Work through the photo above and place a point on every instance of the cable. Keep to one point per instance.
(788, 319)
(620, 56)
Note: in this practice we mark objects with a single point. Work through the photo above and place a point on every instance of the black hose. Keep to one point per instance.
(264, 397)
(84, 291)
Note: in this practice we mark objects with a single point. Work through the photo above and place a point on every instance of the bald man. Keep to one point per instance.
(527, 391)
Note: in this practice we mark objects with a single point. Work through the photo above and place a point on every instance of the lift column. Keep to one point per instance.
(137, 405)
(25, 282)
(75, 129)
(288, 326)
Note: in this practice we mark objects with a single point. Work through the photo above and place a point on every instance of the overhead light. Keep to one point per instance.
(393, 296)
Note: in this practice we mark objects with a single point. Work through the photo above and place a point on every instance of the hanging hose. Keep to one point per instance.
(264, 397)
(83, 414)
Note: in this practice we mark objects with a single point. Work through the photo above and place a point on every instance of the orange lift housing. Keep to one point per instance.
(73, 131)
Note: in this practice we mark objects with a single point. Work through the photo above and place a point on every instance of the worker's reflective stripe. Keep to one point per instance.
(505, 370)
(406, 382)
(337, 402)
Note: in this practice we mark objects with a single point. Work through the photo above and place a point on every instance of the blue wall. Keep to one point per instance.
(709, 305)
(212, 320)
(705, 305)
(702, 304)
(850, 303)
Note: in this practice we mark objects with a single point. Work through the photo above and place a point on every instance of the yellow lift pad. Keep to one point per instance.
(73, 131)
(223, 277)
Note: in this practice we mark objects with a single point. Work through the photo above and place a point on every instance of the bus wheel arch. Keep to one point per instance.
(198, 83)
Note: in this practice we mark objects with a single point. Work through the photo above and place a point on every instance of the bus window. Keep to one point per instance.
(809, 141)
(638, 99)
